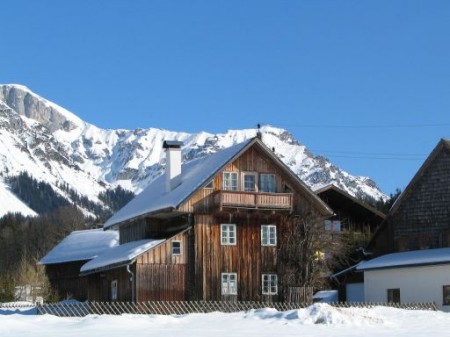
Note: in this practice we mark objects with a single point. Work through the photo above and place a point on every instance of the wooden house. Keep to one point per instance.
(412, 251)
(63, 262)
(206, 230)
(353, 224)
(420, 217)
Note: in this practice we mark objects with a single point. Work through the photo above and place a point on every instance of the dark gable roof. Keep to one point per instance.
(194, 176)
(348, 201)
(443, 145)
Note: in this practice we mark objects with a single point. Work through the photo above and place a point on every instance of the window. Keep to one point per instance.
(229, 284)
(249, 182)
(210, 185)
(176, 247)
(267, 183)
(269, 284)
(228, 234)
(393, 295)
(114, 290)
(268, 235)
(446, 300)
(230, 181)
(333, 225)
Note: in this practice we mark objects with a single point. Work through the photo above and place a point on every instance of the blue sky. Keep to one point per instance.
(364, 83)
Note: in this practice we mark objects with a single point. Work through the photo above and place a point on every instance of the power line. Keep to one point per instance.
(392, 126)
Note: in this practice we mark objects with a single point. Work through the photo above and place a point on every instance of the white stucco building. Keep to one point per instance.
(409, 277)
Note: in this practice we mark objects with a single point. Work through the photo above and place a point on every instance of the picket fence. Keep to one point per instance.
(80, 309)
(185, 307)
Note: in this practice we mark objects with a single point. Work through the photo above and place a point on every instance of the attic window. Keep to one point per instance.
(210, 185)
(230, 181)
(267, 183)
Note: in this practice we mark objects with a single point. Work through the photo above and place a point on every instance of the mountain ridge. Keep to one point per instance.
(56, 146)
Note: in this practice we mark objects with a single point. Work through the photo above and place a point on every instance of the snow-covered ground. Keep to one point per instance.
(316, 320)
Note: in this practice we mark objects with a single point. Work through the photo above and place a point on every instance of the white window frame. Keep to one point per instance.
(255, 182)
(269, 284)
(229, 283)
(114, 290)
(228, 234)
(266, 238)
(230, 181)
(173, 248)
(333, 226)
(262, 181)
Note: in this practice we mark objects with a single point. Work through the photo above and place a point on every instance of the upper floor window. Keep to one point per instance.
(228, 234)
(210, 184)
(333, 225)
(267, 183)
(176, 247)
(230, 181)
(229, 283)
(268, 235)
(249, 182)
(269, 284)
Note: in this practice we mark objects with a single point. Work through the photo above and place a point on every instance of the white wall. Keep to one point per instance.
(355, 292)
(416, 284)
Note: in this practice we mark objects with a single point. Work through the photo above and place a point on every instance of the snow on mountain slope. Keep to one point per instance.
(55, 146)
(10, 203)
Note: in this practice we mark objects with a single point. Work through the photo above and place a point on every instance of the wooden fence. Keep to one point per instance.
(184, 307)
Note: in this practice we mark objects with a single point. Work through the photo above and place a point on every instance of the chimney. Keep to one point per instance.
(173, 163)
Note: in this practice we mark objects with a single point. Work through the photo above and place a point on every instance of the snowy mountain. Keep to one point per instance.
(76, 158)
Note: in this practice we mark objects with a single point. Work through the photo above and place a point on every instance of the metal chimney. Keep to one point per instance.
(173, 163)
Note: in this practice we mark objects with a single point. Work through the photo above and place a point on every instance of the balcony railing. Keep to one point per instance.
(272, 201)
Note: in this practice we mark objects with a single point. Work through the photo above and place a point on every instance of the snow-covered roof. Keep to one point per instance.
(407, 259)
(122, 254)
(81, 246)
(193, 175)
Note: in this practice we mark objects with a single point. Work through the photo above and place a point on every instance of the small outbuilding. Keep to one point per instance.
(409, 277)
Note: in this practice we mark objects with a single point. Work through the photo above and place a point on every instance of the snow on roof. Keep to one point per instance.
(405, 259)
(120, 254)
(193, 175)
(81, 246)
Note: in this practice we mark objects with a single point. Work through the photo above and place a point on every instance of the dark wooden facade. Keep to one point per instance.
(65, 280)
(420, 218)
(196, 273)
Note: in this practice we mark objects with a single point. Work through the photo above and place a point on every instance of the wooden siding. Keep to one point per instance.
(161, 275)
(65, 279)
(248, 258)
(132, 232)
(99, 285)
(422, 219)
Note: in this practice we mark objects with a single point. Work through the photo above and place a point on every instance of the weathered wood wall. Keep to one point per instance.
(160, 275)
(99, 285)
(423, 217)
(65, 279)
(248, 258)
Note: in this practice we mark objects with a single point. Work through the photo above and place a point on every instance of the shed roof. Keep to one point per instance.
(81, 246)
(412, 258)
(119, 255)
(195, 175)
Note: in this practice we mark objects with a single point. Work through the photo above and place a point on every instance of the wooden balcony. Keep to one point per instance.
(265, 201)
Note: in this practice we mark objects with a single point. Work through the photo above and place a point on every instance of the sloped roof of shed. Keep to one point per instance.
(81, 246)
(407, 259)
